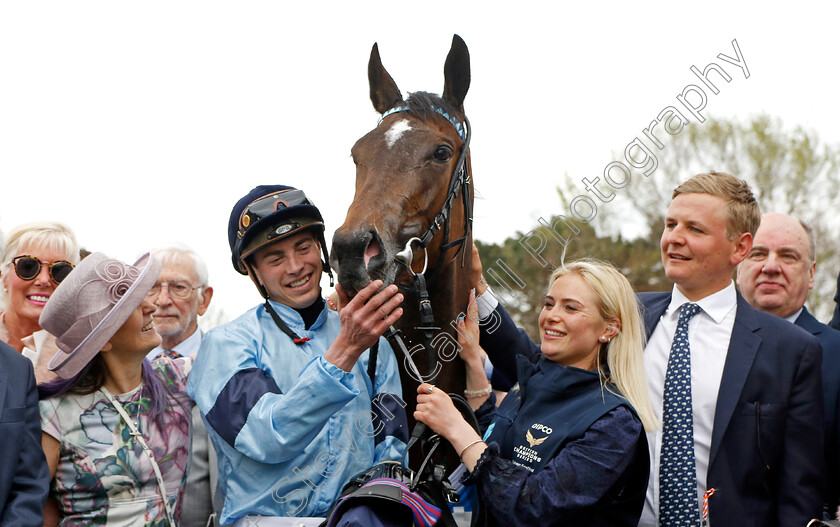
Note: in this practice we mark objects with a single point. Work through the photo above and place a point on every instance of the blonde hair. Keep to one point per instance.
(50, 235)
(743, 214)
(623, 353)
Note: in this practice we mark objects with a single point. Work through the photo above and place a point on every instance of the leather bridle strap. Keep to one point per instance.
(460, 181)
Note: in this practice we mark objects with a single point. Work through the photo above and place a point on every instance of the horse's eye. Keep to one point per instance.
(443, 153)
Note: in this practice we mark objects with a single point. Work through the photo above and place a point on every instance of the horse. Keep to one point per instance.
(413, 193)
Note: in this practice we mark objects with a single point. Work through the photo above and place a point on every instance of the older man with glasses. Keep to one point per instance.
(182, 294)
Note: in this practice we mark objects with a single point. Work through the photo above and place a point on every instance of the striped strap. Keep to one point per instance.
(425, 514)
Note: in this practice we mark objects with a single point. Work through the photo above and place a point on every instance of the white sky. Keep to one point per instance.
(140, 124)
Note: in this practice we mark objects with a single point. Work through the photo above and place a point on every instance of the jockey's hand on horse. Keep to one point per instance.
(436, 410)
(363, 320)
(477, 276)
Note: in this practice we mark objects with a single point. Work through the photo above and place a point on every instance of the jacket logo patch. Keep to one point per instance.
(533, 441)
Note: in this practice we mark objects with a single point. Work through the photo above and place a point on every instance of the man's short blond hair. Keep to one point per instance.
(743, 212)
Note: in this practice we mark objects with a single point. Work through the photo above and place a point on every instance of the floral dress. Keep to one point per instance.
(104, 477)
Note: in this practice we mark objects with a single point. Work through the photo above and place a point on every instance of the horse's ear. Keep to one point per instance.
(383, 90)
(456, 73)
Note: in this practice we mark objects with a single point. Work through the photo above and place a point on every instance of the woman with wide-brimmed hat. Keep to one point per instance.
(115, 427)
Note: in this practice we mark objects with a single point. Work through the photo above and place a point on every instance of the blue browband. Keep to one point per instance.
(458, 126)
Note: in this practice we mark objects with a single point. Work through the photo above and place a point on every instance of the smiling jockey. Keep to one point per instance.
(286, 391)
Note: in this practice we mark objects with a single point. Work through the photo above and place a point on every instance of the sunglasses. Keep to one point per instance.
(27, 268)
(260, 208)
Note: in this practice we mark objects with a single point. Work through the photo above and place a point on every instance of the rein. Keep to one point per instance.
(459, 181)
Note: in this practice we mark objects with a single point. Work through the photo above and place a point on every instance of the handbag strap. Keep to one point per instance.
(135, 433)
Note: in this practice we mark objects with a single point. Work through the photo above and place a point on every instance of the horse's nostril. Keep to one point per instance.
(373, 249)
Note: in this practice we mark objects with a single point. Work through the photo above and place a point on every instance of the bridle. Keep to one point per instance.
(460, 181)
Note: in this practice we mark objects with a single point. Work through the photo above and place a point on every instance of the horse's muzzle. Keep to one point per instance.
(360, 257)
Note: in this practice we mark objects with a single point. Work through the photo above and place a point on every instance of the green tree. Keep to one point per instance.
(790, 171)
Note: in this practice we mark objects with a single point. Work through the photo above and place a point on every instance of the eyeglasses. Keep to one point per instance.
(179, 289)
(260, 208)
(27, 268)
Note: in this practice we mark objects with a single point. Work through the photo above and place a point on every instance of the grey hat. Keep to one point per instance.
(91, 304)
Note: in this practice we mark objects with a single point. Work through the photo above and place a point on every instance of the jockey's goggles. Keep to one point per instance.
(269, 204)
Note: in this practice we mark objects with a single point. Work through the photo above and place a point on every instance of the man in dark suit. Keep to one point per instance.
(776, 277)
(24, 475)
(755, 384)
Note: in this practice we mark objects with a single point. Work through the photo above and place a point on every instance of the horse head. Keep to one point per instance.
(404, 167)
(411, 217)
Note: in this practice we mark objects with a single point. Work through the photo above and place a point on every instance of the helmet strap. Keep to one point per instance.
(253, 275)
(283, 326)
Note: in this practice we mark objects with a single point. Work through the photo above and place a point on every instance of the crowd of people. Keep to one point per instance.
(710, 404)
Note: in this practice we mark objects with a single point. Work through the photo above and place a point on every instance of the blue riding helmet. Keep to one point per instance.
(267, 214)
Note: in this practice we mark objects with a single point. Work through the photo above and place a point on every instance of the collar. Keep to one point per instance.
(554, 377)
(716, 305)
(189, 346)
(186, 348)
(293, 318)
(792, 318)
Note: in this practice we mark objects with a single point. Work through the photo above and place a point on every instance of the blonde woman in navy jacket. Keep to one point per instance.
(567, 445)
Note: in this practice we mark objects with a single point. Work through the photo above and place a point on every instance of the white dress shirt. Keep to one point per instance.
(187, 348)
(709, 333)
(792, 318)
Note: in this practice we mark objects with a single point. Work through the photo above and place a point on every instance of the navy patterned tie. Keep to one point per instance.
(678, 505)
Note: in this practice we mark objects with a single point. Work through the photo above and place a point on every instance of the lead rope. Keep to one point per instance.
(139, 438)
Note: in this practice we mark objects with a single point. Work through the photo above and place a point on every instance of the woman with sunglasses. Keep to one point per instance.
(36, 258)
(116, 428)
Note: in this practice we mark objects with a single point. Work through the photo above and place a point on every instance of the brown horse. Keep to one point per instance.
(410, 220)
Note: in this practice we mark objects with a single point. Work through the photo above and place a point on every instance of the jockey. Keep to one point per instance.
(292, 403)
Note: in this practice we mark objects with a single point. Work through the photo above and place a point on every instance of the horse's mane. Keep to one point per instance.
(423, 104)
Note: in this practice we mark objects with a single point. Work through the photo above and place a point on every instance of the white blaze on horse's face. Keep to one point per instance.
(397, 130)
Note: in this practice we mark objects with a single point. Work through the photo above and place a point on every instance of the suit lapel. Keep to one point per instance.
(806, 321)
(743, 346)
(654, 306)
